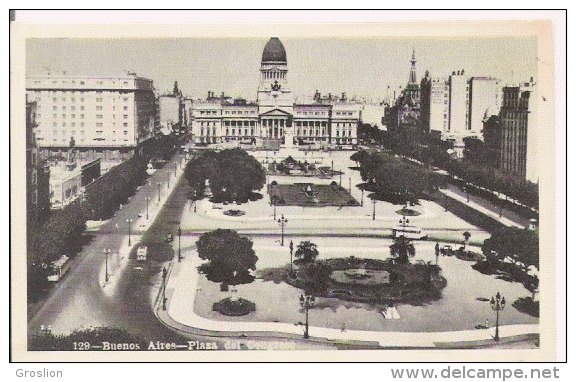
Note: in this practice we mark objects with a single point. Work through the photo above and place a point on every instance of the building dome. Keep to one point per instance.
(274, 51)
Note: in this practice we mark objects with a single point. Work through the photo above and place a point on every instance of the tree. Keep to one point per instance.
(517, 245)
(307, 251)
(231, 256)
(402, 249)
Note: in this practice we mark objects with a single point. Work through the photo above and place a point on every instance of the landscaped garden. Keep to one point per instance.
(310, 195)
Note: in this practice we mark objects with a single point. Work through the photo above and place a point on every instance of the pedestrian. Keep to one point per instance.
(116, 226)
(343, 330)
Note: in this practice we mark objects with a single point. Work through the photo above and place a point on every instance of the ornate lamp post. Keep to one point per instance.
(129, 221)
(373, 209)
(497, 303)
(147, 203)
(107, 276)
(307, 301)
(362, 199)
(158, 183)
(282, 221)
(340, 171)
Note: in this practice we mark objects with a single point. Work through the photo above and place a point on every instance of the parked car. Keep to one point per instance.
(447, 250)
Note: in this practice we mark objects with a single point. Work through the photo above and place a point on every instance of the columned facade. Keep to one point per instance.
(276, 116)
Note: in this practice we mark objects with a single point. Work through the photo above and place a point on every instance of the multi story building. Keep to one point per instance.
(37, 174)
(516, 119)
(105, 116)
(276, 116)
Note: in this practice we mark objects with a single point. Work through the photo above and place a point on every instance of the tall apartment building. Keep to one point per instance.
(517, 119)
(456, 105)
(37, 174)
(104, 116)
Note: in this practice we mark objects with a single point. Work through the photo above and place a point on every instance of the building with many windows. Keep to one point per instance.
(105, 116)
(516, 121)
(277, 117)
(37, 174)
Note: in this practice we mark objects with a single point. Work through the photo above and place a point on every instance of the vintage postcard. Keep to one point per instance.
(369, 191)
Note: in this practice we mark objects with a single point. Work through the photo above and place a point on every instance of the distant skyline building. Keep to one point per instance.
(104, 116)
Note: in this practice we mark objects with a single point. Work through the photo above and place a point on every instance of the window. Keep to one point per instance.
(54, 115)
(72, 107)
(82, 99)
(81, 107)
(73, 124)
(63, 99)
(73, 116)
(54, 108)
(54, 124)
(125, 124)
(125, 107)
(63, 107)
(81, 116)
(63, 125)
(98, 99)
(99, 108)
(125, 132)
(98, 116)
(81, 82)
(99, 124)
(64, 116)
(54, 99)
(125, 99)
(55, 132)
(125, 116)
(82, 125)
(73, 100)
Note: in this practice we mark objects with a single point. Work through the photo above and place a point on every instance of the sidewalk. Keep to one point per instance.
(181, 294)
(505, 221)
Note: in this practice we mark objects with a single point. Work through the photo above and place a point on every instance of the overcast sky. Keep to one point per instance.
(357, 66)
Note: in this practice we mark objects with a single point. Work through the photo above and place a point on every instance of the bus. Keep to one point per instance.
(58, 268)
(409, 232)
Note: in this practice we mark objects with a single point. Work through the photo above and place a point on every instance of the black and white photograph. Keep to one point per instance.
(210, 191)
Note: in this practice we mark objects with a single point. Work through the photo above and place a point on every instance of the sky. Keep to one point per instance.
(363, 67)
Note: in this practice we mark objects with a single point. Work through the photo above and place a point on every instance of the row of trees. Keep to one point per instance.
(62, 233)
(394, 180)
(478, 166)
(232, 174)
(495, 180)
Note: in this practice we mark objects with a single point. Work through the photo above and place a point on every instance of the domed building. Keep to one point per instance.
(276, 117)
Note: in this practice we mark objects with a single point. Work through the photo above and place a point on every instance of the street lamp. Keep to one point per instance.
(147, 203)
(129, 221)
(497, 303)
(164, 275)
(282, 221)
(340, 171)
(179, 249)
(307, 301)
(349, 185)
(168, 173)
(374, 209)
(175, 166)
(291, 251)
(158, 183)
(106, 252)
(362, 199)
